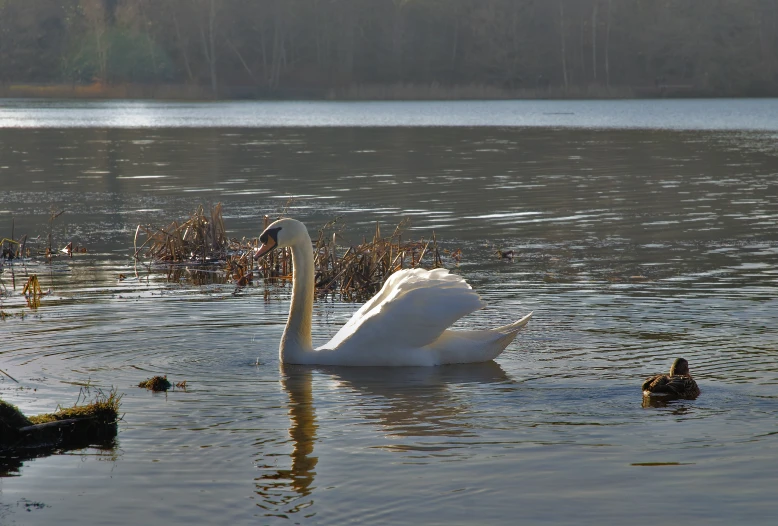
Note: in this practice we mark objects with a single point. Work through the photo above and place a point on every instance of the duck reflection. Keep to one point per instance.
(679, 408)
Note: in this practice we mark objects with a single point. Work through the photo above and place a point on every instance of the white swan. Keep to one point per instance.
(405, 324)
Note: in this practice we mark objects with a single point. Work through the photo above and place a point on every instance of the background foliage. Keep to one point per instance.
(312, 47)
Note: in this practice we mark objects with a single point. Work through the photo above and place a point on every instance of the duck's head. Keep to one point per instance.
(680, 367)
(285, 232)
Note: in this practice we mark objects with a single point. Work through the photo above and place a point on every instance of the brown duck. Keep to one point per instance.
(678, 384)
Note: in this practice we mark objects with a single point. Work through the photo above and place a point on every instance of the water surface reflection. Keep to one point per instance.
(631, 246)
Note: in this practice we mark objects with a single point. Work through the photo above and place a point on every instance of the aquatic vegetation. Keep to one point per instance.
(201, 244)
(363, 268)
(104, 409)
(156, 383)
(201, 238)
(32, 287)
(7, 247)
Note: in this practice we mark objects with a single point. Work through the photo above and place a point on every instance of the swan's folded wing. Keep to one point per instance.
(412, 309)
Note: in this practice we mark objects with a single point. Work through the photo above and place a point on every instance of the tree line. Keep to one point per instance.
(260, 48)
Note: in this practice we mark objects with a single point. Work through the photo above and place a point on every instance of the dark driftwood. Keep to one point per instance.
(67, 434)
(56, 423)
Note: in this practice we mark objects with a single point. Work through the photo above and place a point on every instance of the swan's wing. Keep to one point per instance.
(411, 310)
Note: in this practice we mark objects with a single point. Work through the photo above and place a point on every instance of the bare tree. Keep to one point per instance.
(607, 48)
(594, 40)
(562, 31)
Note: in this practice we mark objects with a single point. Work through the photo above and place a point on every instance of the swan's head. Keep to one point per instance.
(285, 232)
(680, 366)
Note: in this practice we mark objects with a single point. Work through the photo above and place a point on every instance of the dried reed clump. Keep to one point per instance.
(358, 270)
(352, 272)
(362, 269)
(201, 238)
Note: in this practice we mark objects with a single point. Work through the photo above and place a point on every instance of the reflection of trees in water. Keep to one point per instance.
(404, 401)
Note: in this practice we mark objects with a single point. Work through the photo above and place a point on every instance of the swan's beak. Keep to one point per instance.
(265, 248)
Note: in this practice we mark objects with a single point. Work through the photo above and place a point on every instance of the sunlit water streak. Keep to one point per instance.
(632, 247)
(685, 114)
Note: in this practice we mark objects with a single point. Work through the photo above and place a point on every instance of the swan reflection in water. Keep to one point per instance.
(403, 401)
(281, 490)
(417, 401)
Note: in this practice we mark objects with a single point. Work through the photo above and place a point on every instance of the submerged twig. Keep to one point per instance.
(9, 376)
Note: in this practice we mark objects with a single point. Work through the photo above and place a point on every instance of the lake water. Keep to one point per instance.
(644, 230)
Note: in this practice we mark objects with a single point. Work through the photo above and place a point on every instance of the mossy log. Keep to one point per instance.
(68, 428)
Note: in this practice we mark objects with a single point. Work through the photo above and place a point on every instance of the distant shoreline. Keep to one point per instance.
(186, 92)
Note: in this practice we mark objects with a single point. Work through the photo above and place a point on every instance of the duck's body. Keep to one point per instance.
(405, 324)
(677, 384)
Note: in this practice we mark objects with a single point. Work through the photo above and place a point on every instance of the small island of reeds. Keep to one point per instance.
(201, 244)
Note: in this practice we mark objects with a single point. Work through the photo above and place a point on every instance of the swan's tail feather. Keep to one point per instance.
(510, 331)
(513, 328)
(475, 346)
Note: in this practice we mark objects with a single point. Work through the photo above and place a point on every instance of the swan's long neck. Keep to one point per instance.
(297, 335)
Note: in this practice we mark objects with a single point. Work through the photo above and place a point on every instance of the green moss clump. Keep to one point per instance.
(11, 419)
(104, 409)
(156, 383)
